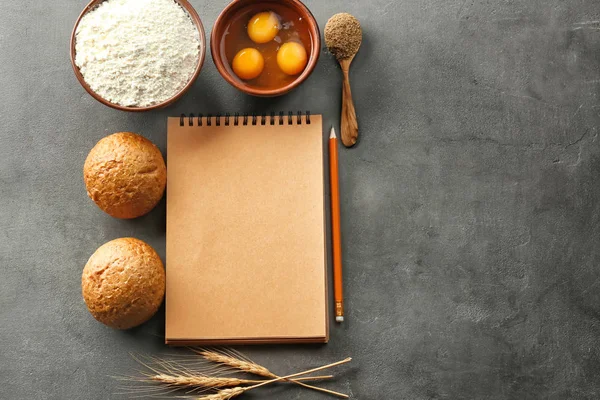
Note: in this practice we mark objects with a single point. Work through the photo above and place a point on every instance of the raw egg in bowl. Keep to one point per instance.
(265, 48)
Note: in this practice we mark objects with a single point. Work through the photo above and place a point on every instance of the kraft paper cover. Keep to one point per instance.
(245, 233)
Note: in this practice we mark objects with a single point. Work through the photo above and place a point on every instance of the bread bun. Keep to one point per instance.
(123, 283)
(125, 175)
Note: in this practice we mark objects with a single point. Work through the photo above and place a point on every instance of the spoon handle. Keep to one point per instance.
(349, 123)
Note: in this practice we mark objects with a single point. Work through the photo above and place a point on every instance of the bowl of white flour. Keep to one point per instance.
(137, 55)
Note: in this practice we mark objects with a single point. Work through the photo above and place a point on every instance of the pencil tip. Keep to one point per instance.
(332, 135)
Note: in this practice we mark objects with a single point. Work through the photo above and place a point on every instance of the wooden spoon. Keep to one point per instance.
(349, 124)
(343, 36)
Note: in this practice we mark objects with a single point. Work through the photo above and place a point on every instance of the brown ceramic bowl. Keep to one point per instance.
(195, 18)
(222, 64)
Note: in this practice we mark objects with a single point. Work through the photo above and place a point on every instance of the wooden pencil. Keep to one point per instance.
(336, 227)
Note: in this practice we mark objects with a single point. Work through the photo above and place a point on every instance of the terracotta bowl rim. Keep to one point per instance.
(314, 55)
(187, 6)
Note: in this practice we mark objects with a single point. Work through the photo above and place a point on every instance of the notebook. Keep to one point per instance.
(246, 254)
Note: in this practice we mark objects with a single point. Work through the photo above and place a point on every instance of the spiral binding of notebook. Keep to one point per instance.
(246, 119)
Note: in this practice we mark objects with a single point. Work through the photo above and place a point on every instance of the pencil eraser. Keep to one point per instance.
(339, 319)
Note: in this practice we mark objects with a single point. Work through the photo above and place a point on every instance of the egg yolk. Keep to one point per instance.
(292, 58)
(248, 63)
(263, 27)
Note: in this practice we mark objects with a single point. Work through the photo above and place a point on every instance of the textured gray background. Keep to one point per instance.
(471, 205)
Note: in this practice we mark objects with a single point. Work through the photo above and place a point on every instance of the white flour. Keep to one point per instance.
(137, 52)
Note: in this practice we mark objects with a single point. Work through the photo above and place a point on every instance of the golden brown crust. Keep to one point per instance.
(123, 283)
(125, 175)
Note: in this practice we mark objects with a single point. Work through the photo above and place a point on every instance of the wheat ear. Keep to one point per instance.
(227, 394)
(202, 381)
(236, 362)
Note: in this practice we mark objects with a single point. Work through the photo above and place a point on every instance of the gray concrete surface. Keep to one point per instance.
(470, 206)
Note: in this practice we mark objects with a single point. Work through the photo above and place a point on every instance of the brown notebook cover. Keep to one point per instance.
(246, 256)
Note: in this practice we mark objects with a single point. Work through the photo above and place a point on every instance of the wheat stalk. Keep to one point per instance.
(214, 382)
(227, 394)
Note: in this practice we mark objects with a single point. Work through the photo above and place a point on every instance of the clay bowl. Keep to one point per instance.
(195, 18)
(222, 63)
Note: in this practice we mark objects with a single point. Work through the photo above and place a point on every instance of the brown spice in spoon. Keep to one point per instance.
(343, 35)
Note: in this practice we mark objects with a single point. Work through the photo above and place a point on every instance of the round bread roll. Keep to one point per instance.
(123, 283)
(125, 175)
